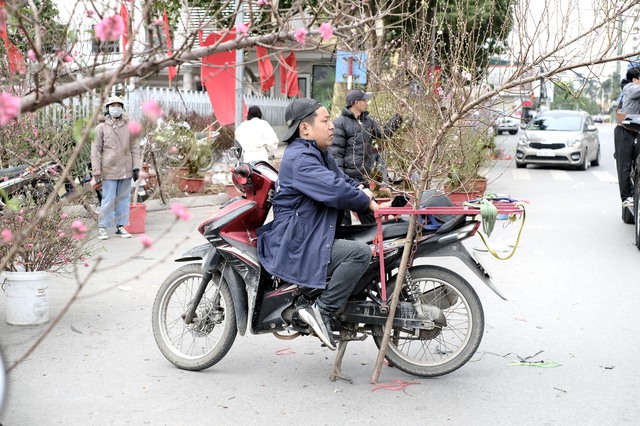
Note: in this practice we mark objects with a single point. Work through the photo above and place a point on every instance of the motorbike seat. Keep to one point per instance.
(11, 172)
(367, 232)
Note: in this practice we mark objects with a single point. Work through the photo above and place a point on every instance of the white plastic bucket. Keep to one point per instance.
(26, 297)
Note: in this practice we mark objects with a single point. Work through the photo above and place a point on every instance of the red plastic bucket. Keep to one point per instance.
(137, 218)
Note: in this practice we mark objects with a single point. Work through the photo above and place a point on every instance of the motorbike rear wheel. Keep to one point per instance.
(209, 337)
(432, 353)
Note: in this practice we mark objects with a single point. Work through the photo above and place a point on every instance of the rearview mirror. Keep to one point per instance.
(237, 149)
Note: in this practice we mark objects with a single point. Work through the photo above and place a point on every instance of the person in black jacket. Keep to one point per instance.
(352, 141)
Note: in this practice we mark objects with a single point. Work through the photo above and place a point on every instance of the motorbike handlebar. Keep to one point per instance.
(242, 170)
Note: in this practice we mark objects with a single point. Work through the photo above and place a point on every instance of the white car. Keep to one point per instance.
(507, 124)
(560, 138)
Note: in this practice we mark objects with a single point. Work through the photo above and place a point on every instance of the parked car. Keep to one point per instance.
(598, 118)
(563, 138)
(507, 124)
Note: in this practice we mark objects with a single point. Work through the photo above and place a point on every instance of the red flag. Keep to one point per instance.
(167, 35)
(3, 27)
(16, 59)
(124, 13)
(289, 75)
(15, 56)
(265, 68)
(218, 74)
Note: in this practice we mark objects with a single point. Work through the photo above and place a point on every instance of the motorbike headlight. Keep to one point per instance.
(523, 141)
(573, 142)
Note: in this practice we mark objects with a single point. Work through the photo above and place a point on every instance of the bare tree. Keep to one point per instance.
(435, 57)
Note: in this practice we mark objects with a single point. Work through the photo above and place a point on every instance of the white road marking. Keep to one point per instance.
(605, 177)
(560, 175)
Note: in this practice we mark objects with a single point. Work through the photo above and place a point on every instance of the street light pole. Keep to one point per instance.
(619, 22)
(239, 5)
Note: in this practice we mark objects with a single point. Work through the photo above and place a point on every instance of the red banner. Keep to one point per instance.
(289, 75)
(15, 56)
(265, 68)
(167, 35)
(124, 13)
(218, 74)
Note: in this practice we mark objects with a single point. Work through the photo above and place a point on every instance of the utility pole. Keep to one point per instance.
(239, 5)
(619, 22)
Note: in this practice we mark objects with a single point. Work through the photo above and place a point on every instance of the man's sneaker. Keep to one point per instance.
(122, 232)
(628, 202)
(102, 234)
(321, 324)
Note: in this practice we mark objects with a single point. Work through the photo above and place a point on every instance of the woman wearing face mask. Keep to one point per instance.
(115, 160)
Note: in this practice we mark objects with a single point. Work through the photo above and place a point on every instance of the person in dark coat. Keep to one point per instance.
(299, 246)
(352, 146)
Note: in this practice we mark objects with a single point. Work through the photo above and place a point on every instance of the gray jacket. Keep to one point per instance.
(114, 154)
(631, 99)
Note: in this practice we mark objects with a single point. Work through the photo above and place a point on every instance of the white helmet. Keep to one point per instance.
(114, 100)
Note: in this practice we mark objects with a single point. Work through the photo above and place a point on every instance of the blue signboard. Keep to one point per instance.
(358, 67)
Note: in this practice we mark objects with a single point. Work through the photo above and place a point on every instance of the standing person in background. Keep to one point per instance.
(115, 160)
(626, 148)
(256, 136)
(352, 142)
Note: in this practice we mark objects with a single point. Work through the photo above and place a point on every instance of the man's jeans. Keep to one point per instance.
(349, 260)
(114, 207)
(626, 151)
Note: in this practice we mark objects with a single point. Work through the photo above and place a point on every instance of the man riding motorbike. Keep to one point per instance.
(299, 246)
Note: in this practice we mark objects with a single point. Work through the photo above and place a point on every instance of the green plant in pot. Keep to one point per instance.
(471, 148)
(33, 244)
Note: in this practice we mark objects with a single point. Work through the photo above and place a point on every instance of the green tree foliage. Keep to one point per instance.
(565, 97)
(53, 36)
(484, 23)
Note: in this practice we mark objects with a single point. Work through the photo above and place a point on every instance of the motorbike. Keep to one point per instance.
(222, 290)
(33, 183)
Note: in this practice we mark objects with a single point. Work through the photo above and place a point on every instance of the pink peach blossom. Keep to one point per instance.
(261, 2)
(134, 127)
(31, 55)
(145, 240)
(301, 35)
(326, 31)
(180, 211)
(242, 28)
(152, 110)
(110, 28)
(78, 229)
(7, 236)
(9, 107)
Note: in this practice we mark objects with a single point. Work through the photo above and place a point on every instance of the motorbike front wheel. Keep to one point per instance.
(209, 337)
(432, 353)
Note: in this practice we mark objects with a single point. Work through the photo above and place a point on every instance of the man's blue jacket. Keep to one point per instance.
(311, 192)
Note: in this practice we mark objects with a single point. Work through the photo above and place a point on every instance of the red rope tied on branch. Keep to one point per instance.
(398, 385)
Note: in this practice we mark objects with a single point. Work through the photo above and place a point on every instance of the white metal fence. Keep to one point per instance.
(181, 101)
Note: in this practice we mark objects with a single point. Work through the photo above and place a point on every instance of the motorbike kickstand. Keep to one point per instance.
(336, 369)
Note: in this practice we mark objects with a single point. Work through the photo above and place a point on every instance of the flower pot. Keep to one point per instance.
(461, 197)
(137, 218)
(27, 302)
(472, 189)
(176, 172)
(191, 185)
